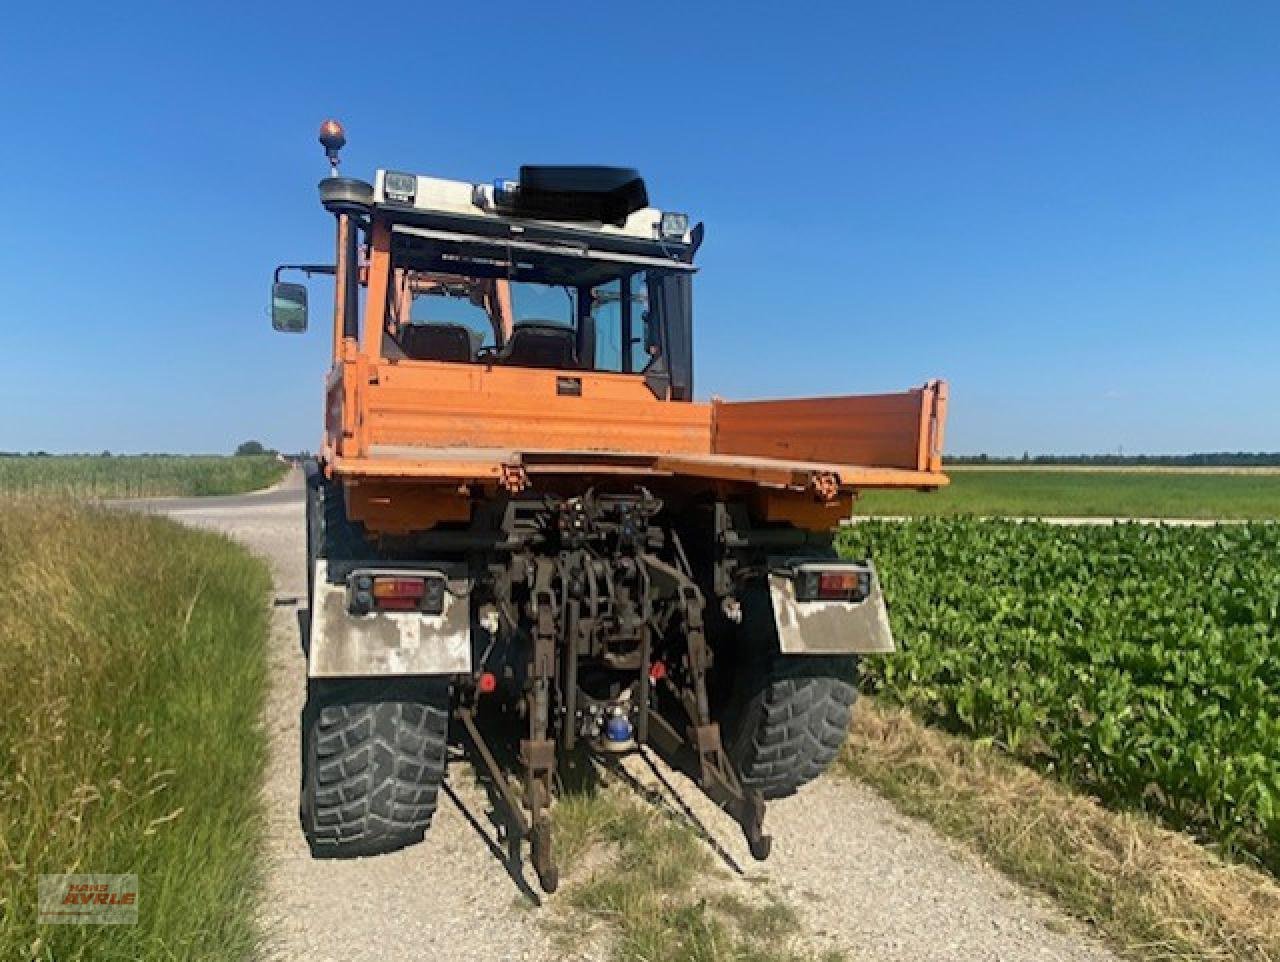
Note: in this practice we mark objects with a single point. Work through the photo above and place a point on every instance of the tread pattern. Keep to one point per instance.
(794, 724)
(787, 715)
(372, 769)
(329, 532)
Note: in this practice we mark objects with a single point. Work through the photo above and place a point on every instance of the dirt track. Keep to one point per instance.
(864, 879)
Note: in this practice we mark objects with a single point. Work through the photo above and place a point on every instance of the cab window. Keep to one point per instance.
(620, 310)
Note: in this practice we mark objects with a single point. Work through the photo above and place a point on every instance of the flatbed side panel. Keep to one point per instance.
(938, 424)
(440, 405)
(881, 430)
(795, 474)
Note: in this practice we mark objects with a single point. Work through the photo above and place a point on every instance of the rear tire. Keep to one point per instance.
(373, 760)
(787, 715)
(330, 534)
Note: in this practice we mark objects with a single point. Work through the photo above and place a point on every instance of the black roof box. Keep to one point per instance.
(604, 194)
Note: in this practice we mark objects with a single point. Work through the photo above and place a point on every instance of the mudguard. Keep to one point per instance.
(829, 627)
(343, 644)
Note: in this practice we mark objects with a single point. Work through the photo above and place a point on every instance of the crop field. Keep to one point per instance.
(132, 674)
(1136, 662)
(1057, 492)
(136, 476)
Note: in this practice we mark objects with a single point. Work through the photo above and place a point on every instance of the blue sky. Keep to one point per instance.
(1071, 211)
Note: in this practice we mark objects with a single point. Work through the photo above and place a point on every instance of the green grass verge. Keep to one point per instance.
(137, 476)
(132, 674)
(1121, 494)
(653, 890)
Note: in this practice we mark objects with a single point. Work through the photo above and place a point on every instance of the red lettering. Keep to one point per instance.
(97, 894)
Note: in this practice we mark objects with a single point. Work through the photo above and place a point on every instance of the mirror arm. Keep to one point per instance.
(307, 269)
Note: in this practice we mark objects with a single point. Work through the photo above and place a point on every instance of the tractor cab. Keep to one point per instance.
(566, 268)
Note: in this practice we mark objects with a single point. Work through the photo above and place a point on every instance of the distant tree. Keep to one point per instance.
(250, 449)
(105, 453)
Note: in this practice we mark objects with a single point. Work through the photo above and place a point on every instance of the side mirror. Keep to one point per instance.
(288, 307)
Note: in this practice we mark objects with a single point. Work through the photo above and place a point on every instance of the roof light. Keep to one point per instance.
(673, 226)
(332, 138)
(400, 187)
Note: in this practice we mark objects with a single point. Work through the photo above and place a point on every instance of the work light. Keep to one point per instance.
(673, 226)
(400, 187)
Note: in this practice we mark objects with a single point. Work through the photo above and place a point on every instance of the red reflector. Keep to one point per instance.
(837, 584)
(385, 589)
(396, 604)
(657, 671)
(487, 683)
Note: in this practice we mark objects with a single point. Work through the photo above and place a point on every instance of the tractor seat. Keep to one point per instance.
(438, 342)
(540, 344)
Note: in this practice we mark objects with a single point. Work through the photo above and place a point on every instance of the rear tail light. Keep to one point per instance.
(832, 584)
(396, 592)
(837, 584)
(404, 594)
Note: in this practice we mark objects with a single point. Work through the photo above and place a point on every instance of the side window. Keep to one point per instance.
(624, 338)
(644, 341)
(606, 308)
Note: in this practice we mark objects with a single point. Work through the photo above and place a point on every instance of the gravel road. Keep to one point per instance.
(863, 878)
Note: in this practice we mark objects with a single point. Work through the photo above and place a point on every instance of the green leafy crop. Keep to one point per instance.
(1141, 663)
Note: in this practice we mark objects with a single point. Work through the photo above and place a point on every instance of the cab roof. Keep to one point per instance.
(458, 211)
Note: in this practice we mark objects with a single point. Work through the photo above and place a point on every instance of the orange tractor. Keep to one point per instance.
(519, 504)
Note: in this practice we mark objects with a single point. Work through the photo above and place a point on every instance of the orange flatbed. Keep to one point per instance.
(409, 432)
(437, 422)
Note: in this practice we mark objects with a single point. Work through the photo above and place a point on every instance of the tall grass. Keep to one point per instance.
(137, 476)
(132, 672)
